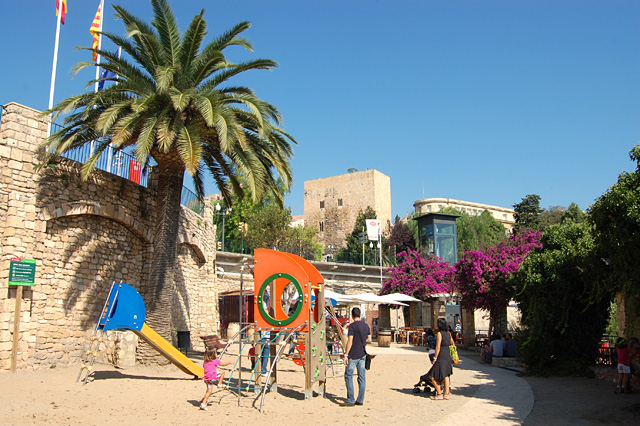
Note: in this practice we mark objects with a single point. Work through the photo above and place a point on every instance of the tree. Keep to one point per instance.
(551, 216)
(268, 227)
(302, 241)
(418, 276)
(478, 232)
(353, 250)
(482, 277)
(616, 218)
(171, 101)
(527, 213)
(400, 238)
(574, 214)
(560, 311)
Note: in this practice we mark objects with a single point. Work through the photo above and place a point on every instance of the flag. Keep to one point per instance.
(108, 74)
(62, 10)
(104, 74)
(95, 28)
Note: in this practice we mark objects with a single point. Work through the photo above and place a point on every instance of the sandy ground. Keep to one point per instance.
(164, 395)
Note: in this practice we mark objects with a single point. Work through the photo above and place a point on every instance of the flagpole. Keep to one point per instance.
(99, 45)
(53, 70)
(95, 87)
(380, 247)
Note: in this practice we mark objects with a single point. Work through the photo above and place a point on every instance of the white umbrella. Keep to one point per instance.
(391, 300)
(403, 297)
(338, 297)
(374, 298)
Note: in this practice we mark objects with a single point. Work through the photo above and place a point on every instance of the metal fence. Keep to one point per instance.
(115, 162)
(190, 200)
(126, 166)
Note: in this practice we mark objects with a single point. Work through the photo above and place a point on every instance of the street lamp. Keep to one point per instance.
(224, 213)
(371, 246)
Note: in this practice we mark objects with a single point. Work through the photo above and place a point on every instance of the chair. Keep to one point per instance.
(480, 339)
(402, 335)
(416, 337)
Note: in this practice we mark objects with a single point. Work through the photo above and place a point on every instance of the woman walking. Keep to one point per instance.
(442, 369)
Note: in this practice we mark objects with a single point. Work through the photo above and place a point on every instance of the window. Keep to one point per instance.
(322, 204)
(339, 202)
(504, 216)
(321, 226)
(429, 208)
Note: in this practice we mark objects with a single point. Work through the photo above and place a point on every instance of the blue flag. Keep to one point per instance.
(107, 74)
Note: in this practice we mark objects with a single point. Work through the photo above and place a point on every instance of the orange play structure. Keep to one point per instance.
(289, 294)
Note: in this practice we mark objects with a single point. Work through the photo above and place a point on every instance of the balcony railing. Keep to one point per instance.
(115, 162)
(126, 166)
(190, 200)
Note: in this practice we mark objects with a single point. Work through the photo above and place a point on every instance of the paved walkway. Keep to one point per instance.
(489, 395)
(503, 398)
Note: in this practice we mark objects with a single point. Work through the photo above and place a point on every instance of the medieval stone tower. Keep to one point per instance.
(332, 204)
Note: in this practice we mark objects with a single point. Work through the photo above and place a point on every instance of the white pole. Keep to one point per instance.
(55, 65)
(380, 245)
(95, 88)
(99, 46)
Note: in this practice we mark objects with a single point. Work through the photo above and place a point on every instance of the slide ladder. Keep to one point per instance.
(96, 337)
(125, 310)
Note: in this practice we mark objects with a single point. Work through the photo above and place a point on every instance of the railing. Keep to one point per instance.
(126, 166)
(115, 162)
(190, 200)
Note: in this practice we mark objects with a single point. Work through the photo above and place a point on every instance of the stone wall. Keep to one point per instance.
(336, 201)
(84, 235)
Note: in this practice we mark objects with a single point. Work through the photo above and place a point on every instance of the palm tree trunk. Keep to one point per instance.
(161, 286)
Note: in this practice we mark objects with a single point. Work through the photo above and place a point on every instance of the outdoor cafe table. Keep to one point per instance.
(396, 333)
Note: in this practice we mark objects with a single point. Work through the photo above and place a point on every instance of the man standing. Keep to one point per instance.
(358, 337)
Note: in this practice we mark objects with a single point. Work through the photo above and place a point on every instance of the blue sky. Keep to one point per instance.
(484, 101)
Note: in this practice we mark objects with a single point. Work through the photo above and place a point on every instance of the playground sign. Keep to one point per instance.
(22, 272)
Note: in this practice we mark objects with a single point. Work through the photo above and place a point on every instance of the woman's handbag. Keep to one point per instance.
(453, 351)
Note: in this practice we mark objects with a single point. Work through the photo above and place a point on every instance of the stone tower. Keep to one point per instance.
(332, 204)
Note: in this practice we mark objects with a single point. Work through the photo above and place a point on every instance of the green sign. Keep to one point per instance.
(22, 272)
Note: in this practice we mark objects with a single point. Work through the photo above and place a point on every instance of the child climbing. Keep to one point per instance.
(211, 374)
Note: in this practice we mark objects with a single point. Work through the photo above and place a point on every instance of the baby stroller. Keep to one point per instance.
(425, 380)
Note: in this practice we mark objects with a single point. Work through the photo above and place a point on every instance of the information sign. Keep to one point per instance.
(22, 272)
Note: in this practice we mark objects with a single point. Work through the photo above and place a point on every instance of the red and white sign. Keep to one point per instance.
(372, 229)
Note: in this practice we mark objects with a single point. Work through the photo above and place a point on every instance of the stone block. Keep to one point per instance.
(506, 362)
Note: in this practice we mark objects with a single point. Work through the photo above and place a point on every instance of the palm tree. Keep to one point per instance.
(172, 102)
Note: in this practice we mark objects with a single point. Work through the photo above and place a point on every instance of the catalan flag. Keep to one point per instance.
(95, 29)
(62, 10)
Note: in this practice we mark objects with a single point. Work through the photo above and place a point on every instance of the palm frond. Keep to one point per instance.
(189, 147)
(228, 72)
(191, 43)
(168, 32)
(230, 38)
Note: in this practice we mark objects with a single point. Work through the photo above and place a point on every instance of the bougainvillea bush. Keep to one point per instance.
(482, 277)
(418, 276)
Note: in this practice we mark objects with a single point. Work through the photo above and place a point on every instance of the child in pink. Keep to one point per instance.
(211, 374)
